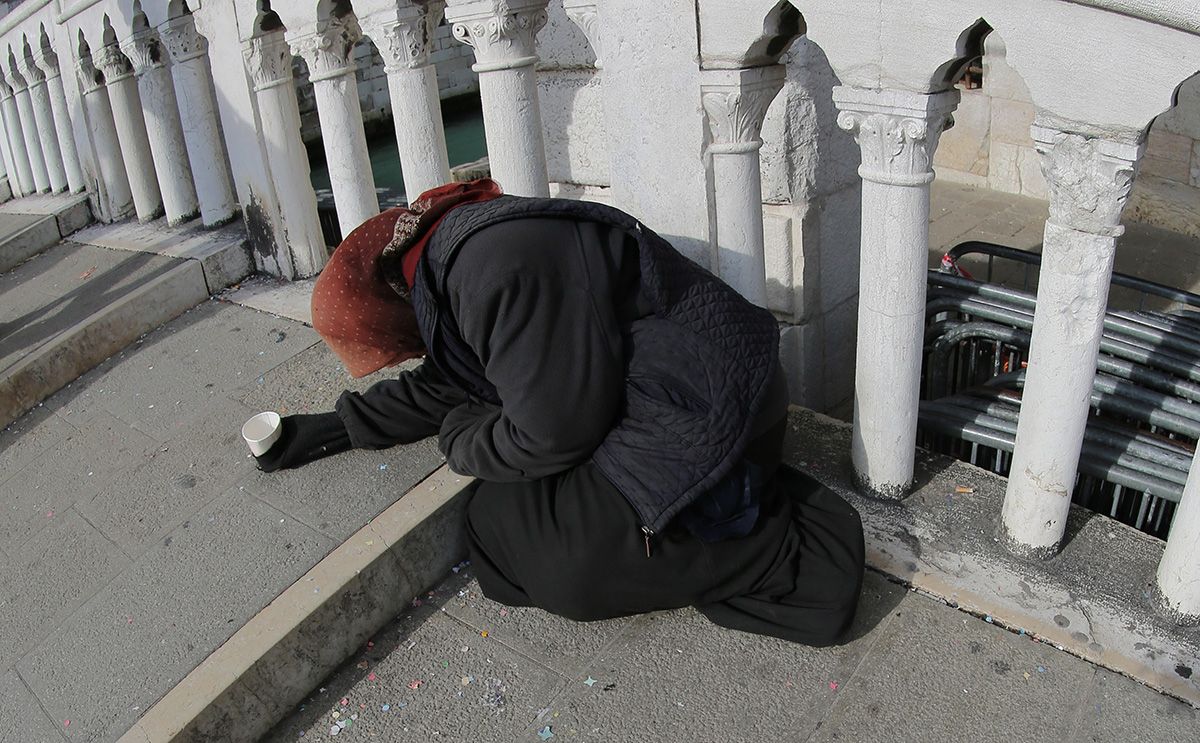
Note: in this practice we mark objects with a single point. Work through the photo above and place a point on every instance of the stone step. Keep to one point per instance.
(73, 305)
(30, 225)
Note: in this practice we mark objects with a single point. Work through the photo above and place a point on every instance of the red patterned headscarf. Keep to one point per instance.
(361, 309)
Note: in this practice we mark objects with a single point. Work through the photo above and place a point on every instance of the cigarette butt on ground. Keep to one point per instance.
(963, 489)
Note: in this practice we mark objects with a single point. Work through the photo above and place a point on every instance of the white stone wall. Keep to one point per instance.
(990, 146)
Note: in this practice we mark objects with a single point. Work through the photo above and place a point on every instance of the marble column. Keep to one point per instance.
(1178, 577)
(897, 133)
(29, 130)
(1089, 179)
(39, 99)
(269, 60)
(503, 35)
(329, 53)
(163, 129)
(403, 39)
(201, 126)
(114, 181)
(735, 103)
(131, 131)
(48, 62)
(20, 172)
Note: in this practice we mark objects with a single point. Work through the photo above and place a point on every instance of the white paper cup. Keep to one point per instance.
(261, 431)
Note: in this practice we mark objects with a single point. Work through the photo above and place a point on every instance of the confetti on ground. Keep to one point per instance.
(1041, 669)
(1027, 676)
(334, 730)
(504, 612)
(483, 634)
(466, 680)
(415, 684)
(345, 701)
(988, 619)
(590, 681)
(370, 644)
(833, 685)
(371, 676)
(385, 707)
(382, 467)
(362, 665)
(335, 715)
(66, 723)
(545, 733)
(88, 273)
(962, 489)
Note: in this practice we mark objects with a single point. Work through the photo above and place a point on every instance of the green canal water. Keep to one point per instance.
(465, 143)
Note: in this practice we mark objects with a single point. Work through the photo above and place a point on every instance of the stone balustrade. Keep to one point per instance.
(190, 111)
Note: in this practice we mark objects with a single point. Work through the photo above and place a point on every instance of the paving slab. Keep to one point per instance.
(668, 676)
(1118, 709)
(937, 674)
(21, 717)
(339, 494)
(128, 645)
(181, 475)
(84, 462)
(292, 299)
(23, 236)
(48, 577)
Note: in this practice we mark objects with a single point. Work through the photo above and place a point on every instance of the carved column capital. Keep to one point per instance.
(145, 51)
(6, 90)
(13, 75)
(404, 38)
(735, 104)
(586, 15)
(897, 131)
(110, 61)
(504, 37)
(269, 60)
(182, 40)
(47, 60)
(32, 73)
(90, 78)
(1089, 178)
(328, 50)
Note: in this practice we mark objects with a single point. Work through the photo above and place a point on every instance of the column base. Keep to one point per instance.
(1025, 551)
(883, 492)
(183, 218)
(152, 216)
(1160, 604)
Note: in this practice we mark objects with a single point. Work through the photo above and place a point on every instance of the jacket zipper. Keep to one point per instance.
(647, 532)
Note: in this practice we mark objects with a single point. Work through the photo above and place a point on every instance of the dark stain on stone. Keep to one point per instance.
(259, 232)
(167, 541)
(909, 540)
(1061, 621)
(186, 481)
(279, 336)
(1095, 647)
(975, 647)
(1079, 637)
(1000, 667)
(1183, 671)
(912, 566)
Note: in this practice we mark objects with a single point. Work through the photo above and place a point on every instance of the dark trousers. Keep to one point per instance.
(572, 545)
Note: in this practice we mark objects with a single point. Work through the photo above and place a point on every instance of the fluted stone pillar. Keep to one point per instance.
(48, 62)
(114, 181)
(39, 99)
(269, 60)
(328, 51)
(897, 132)
(130, 126)
(201, 127)
(403, 39)
(163, 129)
(735, 102)
(1089, 181)
(503, 35)
(29, 130)
(20, 172)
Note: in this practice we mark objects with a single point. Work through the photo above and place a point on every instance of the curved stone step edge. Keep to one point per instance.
(99, 336)
(267, 667)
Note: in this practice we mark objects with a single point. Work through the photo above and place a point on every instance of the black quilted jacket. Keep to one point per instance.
(698, 360)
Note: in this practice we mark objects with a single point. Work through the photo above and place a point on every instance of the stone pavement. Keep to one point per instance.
(137, 537)
(137, 534)
(460, 667)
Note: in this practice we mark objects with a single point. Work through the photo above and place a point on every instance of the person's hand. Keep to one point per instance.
(304, 438)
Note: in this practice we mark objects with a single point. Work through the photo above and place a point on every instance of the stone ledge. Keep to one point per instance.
(270, 664)
(27, 243)
(86, 344)
(1093, 599)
